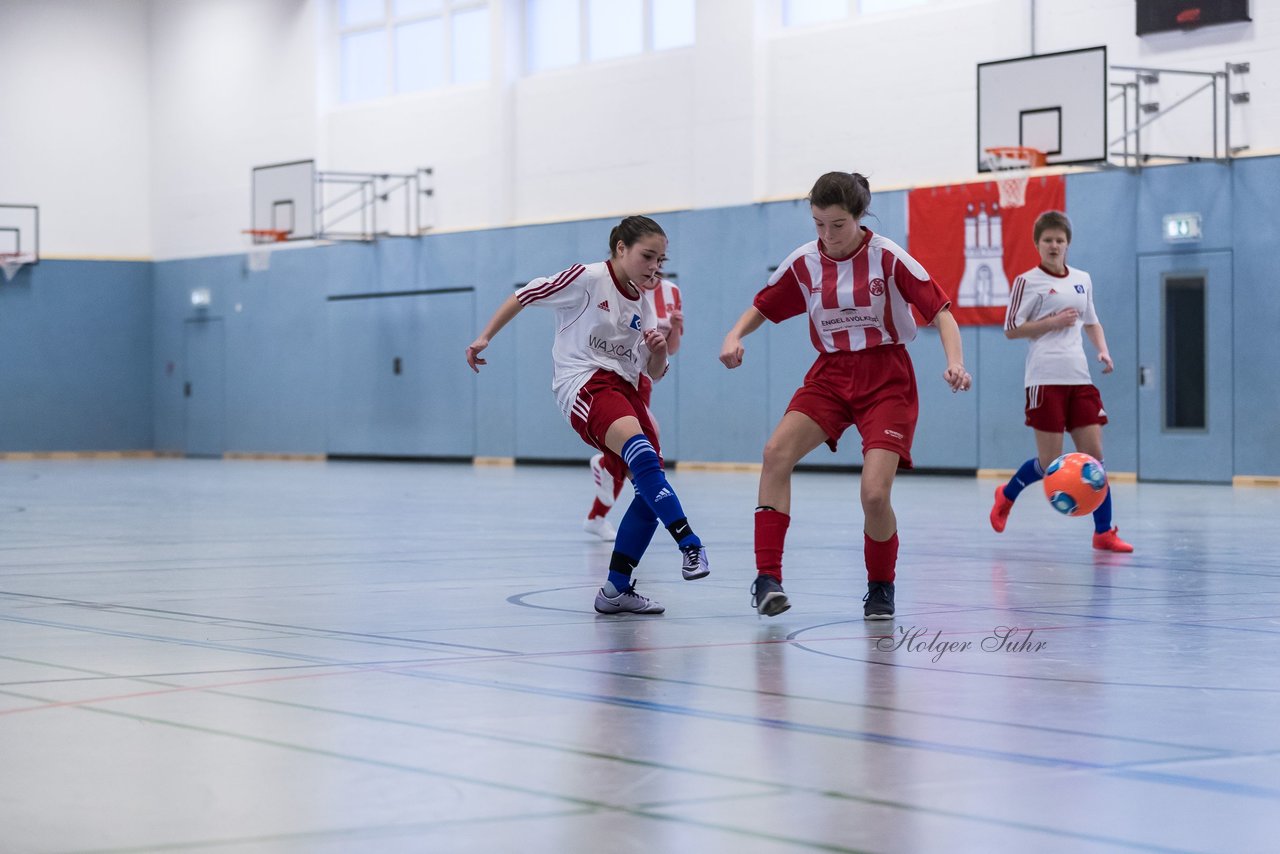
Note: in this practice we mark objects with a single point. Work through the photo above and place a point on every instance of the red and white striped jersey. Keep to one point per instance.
(853, 303)
(597, 326)
(664, 305)
(1056, 357)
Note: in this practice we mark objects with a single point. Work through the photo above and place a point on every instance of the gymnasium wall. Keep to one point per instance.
(135, 123)
(75, 343)
(138, 123)
(290, 344)
(74, 118)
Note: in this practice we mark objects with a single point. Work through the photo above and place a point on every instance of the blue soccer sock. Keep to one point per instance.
(651, 484)
(1102, 516)
(634, 533)
(1029, 473)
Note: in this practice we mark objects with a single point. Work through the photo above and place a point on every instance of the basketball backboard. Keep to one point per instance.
(1054, 102)
(284, 199)
(20, 232)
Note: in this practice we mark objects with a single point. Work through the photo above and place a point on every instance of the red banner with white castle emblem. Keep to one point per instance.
(974, 248)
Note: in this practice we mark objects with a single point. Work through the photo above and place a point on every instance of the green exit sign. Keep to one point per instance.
(1182, 227)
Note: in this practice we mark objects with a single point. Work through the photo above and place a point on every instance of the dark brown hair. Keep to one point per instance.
(630, 230)
(849, 190)
(1052, 219)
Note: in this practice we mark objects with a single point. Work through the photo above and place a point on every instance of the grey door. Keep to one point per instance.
(1184, 367)
(203, 387)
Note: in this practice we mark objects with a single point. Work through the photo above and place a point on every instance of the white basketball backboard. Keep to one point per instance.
(1056, 102)
(284, 198)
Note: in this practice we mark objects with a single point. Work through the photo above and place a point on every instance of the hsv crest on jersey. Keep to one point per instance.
(635, 321)
(1079, 289)
(604, 306)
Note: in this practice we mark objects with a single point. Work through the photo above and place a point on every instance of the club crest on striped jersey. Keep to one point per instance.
(876, 286)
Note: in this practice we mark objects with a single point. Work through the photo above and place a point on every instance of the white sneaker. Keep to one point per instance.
(627, 601)
(695, 564)
(600, 527)
(604, 481)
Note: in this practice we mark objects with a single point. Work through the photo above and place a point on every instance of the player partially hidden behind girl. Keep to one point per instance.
(857, 289)
(1048, 306)
(606, 334)
(607, 471)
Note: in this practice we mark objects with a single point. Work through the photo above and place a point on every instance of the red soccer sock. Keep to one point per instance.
(882, 558)
(771, 533)
(614, 467)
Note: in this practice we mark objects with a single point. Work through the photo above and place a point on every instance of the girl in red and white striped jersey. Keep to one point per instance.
(857, 289)
(606, 339)
(1049, 306)
(607, 472)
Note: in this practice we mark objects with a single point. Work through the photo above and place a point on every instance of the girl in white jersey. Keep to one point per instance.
(607, 472)
(606, 336)
(1049, 305)
(858, 289)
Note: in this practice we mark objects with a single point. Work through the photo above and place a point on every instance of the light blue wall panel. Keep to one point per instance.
(75, 380)
(1256, 317)
(75, 341)
(722, 414)
(487, 261)
(997, 368)
(276, 350)
(1103, 209)
(396, 382)
(1203, 188)
(541, 431)
(947, 432)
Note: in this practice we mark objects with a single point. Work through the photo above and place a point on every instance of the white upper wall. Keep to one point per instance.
(232, 86)
(73, 123)
(151, 113)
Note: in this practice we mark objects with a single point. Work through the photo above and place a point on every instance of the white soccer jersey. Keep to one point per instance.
(597, 326)
(664, 305)
(853, 303)
(1056, 357)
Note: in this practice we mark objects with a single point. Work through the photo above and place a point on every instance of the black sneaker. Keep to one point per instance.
(767, 596)
(879, 601)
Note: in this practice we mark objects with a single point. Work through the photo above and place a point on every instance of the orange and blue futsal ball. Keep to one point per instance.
(1075, 484)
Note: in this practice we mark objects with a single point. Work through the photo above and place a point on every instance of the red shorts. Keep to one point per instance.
(1063, 408)
(603, 400)
(873, 390)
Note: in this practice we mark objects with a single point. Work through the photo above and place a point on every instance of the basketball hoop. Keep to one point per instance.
(259, 256)
(12, 262)
(267, 235)
(1012, 165)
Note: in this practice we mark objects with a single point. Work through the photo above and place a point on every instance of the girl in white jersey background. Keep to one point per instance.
(858, 289)
(607, 471)
(606, 337)
(1048, 306)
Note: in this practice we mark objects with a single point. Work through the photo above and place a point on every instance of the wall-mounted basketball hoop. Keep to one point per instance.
(1012, 165)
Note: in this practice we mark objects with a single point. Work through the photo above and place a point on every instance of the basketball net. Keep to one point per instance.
(12, 262)
(258, 258)
(1012, 165)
